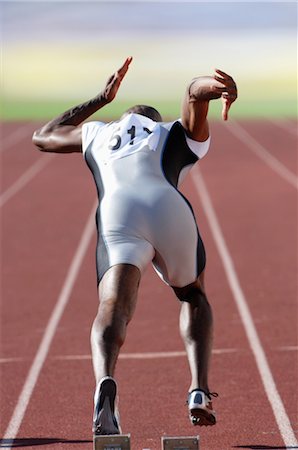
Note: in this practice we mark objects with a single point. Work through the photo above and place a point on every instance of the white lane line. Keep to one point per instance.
(158, 355)
(274, 398)
(16, 136)
(288, 348)
(50, 330)
(250, 142)
(25, 178)
(11, 360)
(144, 355)
(285, 126)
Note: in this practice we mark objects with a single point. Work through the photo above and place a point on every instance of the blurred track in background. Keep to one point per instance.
(59, 53)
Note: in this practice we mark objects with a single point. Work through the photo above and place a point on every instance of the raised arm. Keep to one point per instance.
(63, 134)
(196, 102)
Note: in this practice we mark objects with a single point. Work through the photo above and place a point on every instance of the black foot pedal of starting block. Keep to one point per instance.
(112, 442)
(180, 443)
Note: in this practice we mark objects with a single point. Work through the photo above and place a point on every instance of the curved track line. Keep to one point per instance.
(25, 178)
(238, 131)
(16, 136)
(42, 352)
(274, 398)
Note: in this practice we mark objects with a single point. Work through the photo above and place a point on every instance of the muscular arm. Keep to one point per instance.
(63, 134)
(199, 93)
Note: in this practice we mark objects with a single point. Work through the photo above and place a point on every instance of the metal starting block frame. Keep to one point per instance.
(180, 443)
(112, 442)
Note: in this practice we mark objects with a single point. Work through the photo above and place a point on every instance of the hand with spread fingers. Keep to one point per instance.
(229, 95)
(113, 83)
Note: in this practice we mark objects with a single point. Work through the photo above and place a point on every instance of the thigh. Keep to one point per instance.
(190, 292)
(118, 289)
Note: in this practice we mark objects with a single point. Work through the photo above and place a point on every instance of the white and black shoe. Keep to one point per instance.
(105, 418)
(200, 408)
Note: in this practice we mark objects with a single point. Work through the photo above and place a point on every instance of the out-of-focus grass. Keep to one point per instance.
(24, 110)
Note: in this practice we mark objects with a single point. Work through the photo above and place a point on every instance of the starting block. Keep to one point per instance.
(180, 443)
(112, 442)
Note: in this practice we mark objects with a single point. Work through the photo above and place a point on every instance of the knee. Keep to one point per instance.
(113, 334)
(193, 294)
(196, 315)
(115, 309)
(110, 322)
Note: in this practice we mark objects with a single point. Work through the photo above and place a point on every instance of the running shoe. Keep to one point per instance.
(200, 408)
(106, 418)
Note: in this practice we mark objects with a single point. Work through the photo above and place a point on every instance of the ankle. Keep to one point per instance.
(199, 387)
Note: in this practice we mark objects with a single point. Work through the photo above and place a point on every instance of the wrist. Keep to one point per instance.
(201, 89)
(101, 99)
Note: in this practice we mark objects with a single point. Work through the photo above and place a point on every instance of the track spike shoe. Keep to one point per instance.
(106, 418)
(200, 408)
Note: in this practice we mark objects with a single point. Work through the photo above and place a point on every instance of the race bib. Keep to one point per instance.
(132, 134)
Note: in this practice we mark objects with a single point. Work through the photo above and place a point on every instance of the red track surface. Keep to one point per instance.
(42, 224)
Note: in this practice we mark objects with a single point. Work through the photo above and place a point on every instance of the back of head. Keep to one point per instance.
(145, 110)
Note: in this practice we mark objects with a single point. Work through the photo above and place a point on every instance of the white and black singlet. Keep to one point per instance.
(137, 166)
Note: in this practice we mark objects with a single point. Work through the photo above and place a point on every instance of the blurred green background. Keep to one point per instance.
(57, 54)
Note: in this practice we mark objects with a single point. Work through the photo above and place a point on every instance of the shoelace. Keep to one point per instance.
(208, 394)
(211, 394)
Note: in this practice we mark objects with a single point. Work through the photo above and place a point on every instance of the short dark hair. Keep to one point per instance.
(145, 110)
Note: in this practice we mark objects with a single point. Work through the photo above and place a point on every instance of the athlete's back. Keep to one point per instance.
(136, 164)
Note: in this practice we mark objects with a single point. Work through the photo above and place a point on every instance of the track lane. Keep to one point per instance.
(12, 134)
(75, 380)
(259, 150)
(290, 126)
(18, 155)
(263, 229)
(29, 258)
(25, 178)
(161, 384)
(278, 141)
(257, 349)
(49, 333)
(144, 430)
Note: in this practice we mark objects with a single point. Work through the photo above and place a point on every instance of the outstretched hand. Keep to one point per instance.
(115, 80)
(229, 93)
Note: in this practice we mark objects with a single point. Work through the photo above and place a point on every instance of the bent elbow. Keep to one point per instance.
(39, 140)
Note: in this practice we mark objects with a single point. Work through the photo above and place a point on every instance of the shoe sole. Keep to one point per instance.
(108, 390)
(201, 417)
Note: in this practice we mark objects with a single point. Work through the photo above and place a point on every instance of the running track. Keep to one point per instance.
(244, 195)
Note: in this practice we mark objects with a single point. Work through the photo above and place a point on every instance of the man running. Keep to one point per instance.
(138, 163)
